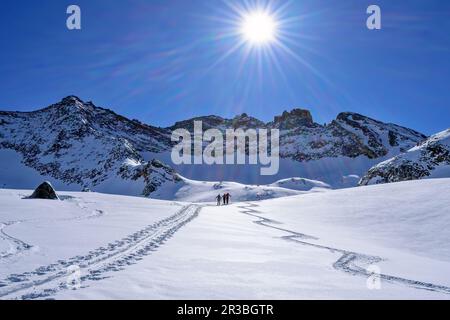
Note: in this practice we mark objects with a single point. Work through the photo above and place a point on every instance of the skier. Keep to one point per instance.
(228, 198)
(224, 199)
(219, 197)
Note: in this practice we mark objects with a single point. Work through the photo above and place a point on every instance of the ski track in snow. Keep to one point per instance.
(45, 281)
(18, 246)
(350, 262)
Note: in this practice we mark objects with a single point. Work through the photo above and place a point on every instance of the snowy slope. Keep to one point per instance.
(430, 159)
(206, 191)
(50, 230)
(300, 184)
(315, 245)
(339, 172)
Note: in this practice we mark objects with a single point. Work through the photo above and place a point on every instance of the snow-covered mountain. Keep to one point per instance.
(77, 145)
(350, 135)
(338, 153)
(429, 159)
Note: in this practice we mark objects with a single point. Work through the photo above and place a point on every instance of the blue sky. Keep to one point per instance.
(165, 60)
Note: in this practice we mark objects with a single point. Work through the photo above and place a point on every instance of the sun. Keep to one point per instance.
(265, 31)
(258, 28)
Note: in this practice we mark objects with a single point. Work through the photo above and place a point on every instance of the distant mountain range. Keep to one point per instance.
(78, 145)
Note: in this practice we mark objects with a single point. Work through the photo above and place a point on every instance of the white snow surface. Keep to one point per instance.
(338, 172)
(300, 184)
(313, 245)
(206, 191)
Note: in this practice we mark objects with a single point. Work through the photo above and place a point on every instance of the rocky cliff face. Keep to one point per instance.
(293, 119)
(429, 159)
(81, 144)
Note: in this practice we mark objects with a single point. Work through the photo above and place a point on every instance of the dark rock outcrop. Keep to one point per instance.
(45, 191)
(430, 158)
(293, 119)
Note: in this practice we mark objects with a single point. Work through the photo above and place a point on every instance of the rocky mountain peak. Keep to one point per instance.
(208, 122)
(244, 121)
(71, 100)
(293, 118)
(351, 116)
(70, 105)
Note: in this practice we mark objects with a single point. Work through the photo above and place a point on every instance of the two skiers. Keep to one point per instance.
(225, 199)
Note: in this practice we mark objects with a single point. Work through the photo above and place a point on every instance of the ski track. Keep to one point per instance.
(350, 262)
(18, 246)
(45, 281)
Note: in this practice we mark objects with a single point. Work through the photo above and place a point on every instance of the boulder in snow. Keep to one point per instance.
(45, 191)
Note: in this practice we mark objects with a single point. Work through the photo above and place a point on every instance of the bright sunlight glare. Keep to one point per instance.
(259, 28)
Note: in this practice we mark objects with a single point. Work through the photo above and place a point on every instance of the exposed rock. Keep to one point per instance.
(208, 122)
(153, 174)
(293, 119)
(430, 158)
(244, 121)
(45, 191)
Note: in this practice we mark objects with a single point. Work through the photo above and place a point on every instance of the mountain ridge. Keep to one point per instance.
(79, 143)
(293, 112)
(429, 159)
